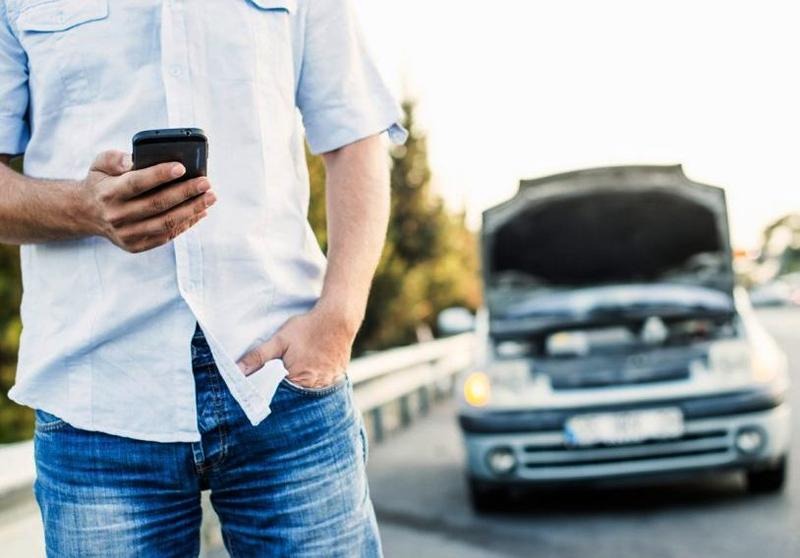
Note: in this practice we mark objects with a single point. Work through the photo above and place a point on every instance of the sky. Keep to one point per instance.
(514, 89)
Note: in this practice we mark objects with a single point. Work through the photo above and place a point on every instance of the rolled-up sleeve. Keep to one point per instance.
(341, 93)
(14, 129)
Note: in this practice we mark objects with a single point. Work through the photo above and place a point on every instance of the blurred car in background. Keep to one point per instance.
(774, 293)
(614, 344)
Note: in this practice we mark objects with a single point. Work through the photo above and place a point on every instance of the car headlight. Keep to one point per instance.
(738, 360)
(477, 389)
(496, 380)
(764, 371)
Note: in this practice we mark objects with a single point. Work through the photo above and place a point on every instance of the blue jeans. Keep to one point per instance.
(293, 486)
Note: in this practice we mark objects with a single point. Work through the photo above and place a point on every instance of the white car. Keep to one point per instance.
(613, 342)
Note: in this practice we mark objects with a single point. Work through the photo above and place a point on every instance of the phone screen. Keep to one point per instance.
(191, 154)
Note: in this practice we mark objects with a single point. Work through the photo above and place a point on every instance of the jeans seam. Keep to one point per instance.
(219, 407)
(228, 542)
(197, 544)
(51, 426)
(364, 443)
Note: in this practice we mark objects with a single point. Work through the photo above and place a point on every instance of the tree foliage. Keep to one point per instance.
(781, 243)
(429, 261)
(15, 422)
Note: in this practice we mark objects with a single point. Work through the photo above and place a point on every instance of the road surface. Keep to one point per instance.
(417, 485)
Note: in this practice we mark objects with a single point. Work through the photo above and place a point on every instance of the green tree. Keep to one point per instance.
(316, 207)
(16, 423)
(781, 243)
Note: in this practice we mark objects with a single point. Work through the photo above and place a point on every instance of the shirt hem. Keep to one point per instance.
(120, 432)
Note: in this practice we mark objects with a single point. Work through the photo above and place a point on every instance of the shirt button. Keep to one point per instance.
(175, 71)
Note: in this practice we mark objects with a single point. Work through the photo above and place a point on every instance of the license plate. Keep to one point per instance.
(626, 427)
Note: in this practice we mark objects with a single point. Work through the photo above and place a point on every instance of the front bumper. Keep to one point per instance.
(708, 442)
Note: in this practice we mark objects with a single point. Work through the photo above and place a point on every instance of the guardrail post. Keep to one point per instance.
(377, 424)
(424, 401)
(405, 411)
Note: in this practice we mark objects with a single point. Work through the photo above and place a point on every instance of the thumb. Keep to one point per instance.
(255, 359)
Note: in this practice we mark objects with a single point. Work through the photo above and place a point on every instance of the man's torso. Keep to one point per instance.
(101, 324)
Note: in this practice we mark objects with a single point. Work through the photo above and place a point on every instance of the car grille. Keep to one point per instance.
(690, 444)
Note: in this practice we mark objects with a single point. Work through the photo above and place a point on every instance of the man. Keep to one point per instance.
(193, 336)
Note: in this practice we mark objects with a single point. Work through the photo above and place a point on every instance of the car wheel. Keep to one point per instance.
(769, 480)
(487, 497)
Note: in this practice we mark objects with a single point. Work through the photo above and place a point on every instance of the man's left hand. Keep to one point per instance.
(315, 348)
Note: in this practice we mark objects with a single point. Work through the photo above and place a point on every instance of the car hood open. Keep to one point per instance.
(605, 226)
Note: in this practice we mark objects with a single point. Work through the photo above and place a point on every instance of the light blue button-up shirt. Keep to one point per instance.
(106, 334)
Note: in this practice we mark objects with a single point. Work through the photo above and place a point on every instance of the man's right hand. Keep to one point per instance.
(120, 206)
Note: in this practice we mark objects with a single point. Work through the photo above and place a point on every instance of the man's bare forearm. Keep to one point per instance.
(357, 197)
(113, 201)
(34, 210)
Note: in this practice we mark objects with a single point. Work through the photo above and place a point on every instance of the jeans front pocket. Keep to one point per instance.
(362, 431)
(46, 422)
(317, 392)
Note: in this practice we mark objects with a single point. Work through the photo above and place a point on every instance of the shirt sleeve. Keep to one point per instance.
(341, 94)
(14, 129)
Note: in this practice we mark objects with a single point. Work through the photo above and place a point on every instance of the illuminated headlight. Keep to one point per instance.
(501, 461)
(496, 378)
(477, 389)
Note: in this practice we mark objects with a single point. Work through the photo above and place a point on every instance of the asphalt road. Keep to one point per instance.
(417, 485)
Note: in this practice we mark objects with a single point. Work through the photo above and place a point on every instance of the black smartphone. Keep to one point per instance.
(188, 146)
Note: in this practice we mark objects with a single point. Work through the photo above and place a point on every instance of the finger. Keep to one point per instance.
(255, 359)
(150, 242)
(138, 182)
(112, 163)
(169, 223)
(172, 196)
(305, 379)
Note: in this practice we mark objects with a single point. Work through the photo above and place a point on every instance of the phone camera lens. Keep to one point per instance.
(187, 132)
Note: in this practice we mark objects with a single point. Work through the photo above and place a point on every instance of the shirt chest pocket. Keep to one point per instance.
(57, 35)
(271, 28)
(288, 6)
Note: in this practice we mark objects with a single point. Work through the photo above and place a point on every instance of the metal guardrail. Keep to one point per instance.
(394, 385)
(391, 387)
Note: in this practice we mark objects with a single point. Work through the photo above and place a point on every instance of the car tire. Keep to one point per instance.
(486, 497)
(769, 480)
